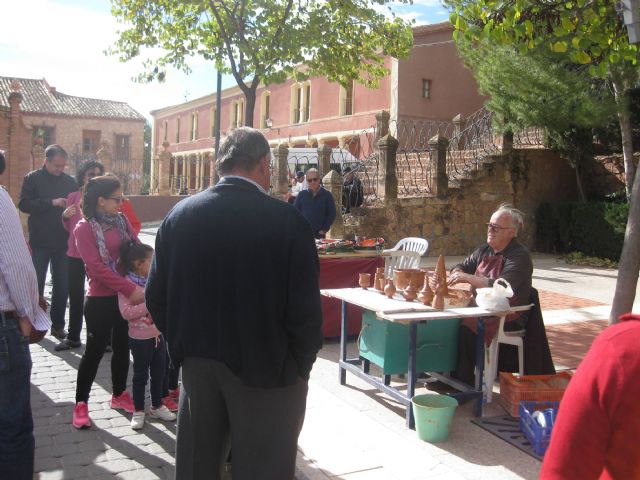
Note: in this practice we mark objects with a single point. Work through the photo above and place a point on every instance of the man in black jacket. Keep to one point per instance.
(44, 198)
(234, 287)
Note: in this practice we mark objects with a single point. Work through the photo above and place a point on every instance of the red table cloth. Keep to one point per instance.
(343, 273)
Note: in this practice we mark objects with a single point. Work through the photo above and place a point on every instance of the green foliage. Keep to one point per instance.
(536, 88)
(264, 40)
(594, 229)
(590, 32)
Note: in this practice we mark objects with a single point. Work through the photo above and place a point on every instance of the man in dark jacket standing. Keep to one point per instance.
(316, 205)
(234, 287)
(44, 198)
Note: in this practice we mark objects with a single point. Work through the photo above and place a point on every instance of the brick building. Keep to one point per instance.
(432, 84)
(34, 115)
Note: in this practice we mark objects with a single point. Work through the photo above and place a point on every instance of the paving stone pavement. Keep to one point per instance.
(351, 432)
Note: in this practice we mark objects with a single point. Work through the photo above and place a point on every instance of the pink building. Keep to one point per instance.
(431, 84)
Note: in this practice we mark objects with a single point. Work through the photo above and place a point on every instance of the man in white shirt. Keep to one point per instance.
(20, 313)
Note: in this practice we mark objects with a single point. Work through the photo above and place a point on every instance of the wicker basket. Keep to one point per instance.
(514, 389)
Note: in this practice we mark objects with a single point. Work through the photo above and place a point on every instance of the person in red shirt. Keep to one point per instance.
(597, 432)
(127, 209)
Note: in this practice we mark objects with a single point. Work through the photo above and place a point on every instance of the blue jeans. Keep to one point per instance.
(42, 257)
(16, 423)
(149, 356)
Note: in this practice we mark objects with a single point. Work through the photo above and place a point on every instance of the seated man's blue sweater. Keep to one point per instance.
(320, 211)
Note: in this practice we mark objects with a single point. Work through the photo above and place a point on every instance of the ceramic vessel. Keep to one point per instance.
(441, 290)
(379, 280)
(401, 278)
(426, 294)
(409, 294)
(390, 288)
(365, 280)
(416, 279)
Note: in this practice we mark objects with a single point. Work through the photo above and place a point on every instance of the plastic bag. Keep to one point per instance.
(495, 298)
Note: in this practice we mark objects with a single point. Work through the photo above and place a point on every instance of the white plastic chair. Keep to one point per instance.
(411, 244)
(514, 337)
(400, 259)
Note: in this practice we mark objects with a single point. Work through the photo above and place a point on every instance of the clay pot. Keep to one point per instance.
(378, 280)
(365, 280)
(390, 289)
(416, 279)
(426, 294)
(410, 294)
(401, 278)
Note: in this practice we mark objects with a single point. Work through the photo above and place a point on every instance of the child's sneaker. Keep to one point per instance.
(81, 415)
(137, 421)
(123, 402)
(175, 394)
(162, 413)
(170, 404)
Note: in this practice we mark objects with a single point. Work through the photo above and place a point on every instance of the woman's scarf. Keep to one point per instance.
(105, 222)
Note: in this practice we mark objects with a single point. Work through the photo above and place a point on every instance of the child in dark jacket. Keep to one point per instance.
(146, 342)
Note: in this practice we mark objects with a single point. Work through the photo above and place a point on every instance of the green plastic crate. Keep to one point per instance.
(387, 345)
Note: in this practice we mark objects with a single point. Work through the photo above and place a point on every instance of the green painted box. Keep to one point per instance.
(387, 345)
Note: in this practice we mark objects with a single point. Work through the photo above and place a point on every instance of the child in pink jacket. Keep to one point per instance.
(147, 344)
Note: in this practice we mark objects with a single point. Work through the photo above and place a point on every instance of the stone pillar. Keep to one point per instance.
(387, 176)
(175, 187)
(333, 181)
(439, 179)
(459, 124)
(104, 156)
(281, 185)
(199, 172)
(164, 170)
(213, 174)
(507, 143)
(14, 171)
(382, 124)
(324, 159)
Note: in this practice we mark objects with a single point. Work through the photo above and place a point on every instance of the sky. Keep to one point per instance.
(64, 40)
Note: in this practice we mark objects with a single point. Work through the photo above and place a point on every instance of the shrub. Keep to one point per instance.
(595, 229)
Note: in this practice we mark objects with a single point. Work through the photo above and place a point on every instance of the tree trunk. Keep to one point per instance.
(250, 97)
(581, 195)
(624, 120)
(629, 259)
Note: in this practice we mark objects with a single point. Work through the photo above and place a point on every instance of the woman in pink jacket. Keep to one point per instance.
(77, 274)
(99, 236)
(147, 344)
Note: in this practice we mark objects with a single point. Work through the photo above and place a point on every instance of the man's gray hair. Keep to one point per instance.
(517, 217)
(313, 170)
(242, 150)
(55, 151)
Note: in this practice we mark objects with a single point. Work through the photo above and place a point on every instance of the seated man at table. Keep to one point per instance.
(503, 256)
(316, 205)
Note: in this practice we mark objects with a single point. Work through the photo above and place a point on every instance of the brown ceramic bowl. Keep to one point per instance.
(458, 298)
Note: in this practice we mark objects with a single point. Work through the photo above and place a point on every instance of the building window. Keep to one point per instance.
(122, 148)
(237, 114)
(178, 130)
(346, 99)
(166, 130)
(426, 88)
(300, 101)
(212, 121)
(46, 133)
(90, 143)
(194, 126)
(266, 110)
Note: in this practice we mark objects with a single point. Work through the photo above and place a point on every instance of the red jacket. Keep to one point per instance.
(597, 433)
(127, 209)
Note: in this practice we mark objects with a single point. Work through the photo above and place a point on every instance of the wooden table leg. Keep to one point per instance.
(411, 371)
(343, 344)
(479, 370)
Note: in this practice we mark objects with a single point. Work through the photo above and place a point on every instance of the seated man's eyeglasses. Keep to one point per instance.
(311, 180)
(496, 228)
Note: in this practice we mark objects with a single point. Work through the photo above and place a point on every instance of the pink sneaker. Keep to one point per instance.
(175, 394)
(81, 416)
(123, 402)
(170, 404)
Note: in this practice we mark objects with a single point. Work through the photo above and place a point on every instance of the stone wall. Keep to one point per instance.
(455, 224)
(15, 140)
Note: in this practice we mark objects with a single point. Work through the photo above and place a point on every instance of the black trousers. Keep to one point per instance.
(103, 316)
(218, 412)
(149, 361)
(77, 276)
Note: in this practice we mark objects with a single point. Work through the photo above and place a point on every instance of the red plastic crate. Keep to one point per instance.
(515, 389)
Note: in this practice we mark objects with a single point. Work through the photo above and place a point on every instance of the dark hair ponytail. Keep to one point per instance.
(131, 252)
